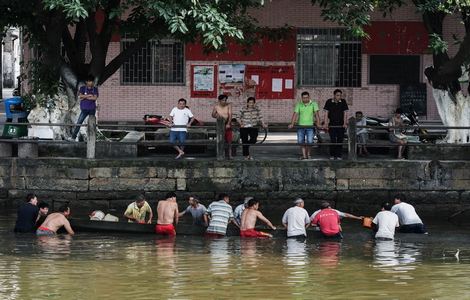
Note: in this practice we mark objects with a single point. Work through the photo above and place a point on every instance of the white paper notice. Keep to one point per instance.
(277, 85)
(255, 78)
(289, 84)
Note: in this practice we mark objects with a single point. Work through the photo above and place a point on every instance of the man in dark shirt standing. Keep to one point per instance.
(336, 117)
(87, 96)
(27, 215)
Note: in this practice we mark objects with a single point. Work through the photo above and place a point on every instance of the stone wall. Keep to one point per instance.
(358, 187)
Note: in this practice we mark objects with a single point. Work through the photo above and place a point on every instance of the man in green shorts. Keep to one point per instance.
(305, 115)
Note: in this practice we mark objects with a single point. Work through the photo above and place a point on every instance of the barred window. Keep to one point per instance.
(158, 62)
(328, 57)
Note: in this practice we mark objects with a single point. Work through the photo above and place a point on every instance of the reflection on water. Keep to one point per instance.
(97, 266)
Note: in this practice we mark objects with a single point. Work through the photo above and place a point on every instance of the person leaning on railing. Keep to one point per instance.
(250, 118)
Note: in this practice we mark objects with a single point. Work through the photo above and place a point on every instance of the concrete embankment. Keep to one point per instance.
(435, 187)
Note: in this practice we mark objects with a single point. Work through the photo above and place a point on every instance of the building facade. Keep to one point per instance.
(318, 57)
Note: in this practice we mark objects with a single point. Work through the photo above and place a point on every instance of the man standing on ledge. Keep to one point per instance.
(138, 211)
(223, 110)
(88, 94)
(55, 221)
(218, 215)
(167, 211)
(182, 118)
(306, 113)
(410, 222)
(336, 120)
(248, 222)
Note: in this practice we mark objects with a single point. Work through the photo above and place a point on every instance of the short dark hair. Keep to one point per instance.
(359, 113)
(337, 91)
(324, 204)
(304, 94)
(386, 206)
(43, 205)
(399, 196)
(250, 99)
(170, 195)
(140, 198)
(184, 100)
(90, 78)
(30, 196)
(222, 97)
(64, 208)
(399, 111)
(221, 196)
(252, 202)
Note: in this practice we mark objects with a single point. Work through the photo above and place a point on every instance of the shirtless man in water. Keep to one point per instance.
(223, 110)
(55, 221)
(249, 217)
(167, 211)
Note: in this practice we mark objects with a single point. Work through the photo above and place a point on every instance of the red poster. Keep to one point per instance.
(203, 81)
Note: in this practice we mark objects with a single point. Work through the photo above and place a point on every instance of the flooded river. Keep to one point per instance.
(114, 266)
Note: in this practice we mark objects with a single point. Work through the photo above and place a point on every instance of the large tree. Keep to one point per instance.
(61, 30)
(447, 72)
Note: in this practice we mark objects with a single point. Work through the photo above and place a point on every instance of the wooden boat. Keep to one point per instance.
(84, 225)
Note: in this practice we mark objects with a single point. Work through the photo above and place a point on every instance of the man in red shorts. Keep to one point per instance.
(223, 110)
(167, 211)
(248, 223)
(329, 221)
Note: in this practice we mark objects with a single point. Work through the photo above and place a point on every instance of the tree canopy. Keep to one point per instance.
(61, 29)
(446, 70)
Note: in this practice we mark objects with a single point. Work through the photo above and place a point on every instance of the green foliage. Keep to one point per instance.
(437, 44)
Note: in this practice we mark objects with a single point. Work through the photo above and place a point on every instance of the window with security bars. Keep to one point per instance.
(328, 57)
(156, 63)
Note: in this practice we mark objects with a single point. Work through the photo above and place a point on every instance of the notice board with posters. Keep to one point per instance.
(203, 81)
(413, 97)
(270, 82)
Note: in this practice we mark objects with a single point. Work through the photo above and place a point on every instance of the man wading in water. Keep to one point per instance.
(249, 217)
(167, 211)
(55, 221)
(223, 110)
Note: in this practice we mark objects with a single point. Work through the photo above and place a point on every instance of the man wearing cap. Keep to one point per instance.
(239, 210)
(296, 220)
(218, 215)
(329, 221)
(196, 210)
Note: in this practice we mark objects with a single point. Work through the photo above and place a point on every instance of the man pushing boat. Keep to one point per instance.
(248, 222)
(167, 211)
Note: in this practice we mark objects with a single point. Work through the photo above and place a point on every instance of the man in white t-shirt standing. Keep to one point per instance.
(410, 222)
(385, 222)
(181, 118)
(296, 220)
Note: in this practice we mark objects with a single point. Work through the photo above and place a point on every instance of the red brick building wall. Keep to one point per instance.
(129, 103)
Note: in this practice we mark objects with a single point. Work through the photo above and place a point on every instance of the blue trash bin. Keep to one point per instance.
(15, 112)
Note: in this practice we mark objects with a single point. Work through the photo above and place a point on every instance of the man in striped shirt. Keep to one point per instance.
(218, 215)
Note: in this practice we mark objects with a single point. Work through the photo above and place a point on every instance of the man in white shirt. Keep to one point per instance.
(181, 118)
(410, 222)
(385, 222)
(296, 220)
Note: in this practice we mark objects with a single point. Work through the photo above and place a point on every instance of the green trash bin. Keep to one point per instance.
(14, 131)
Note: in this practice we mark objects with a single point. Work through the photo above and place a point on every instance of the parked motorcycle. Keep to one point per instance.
(415, 134)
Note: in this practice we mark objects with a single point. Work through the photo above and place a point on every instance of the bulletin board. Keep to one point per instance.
(203, 81)
(270, 82)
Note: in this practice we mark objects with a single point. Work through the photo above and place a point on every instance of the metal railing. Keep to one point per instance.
(218, 140)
